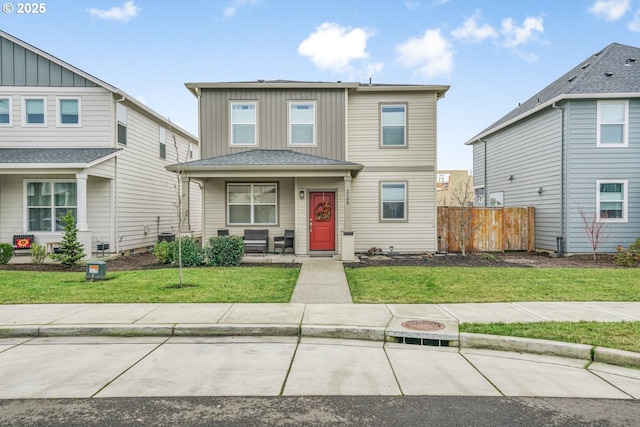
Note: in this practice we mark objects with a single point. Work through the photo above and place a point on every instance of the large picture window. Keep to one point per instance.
(302, 123)
(393, 201)
(249, 204)
(47, 202)
(243, 123)
(393, 121)
(611, 200)
(613, 117)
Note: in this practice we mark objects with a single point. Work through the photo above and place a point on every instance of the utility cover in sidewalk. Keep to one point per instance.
(423, 325)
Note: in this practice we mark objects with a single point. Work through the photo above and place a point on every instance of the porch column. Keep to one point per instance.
(84, 235)
(348, 239)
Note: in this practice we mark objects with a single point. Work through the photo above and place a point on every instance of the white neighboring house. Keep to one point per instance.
(69, 141)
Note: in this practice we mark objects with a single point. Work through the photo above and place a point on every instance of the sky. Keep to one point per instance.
(493, 53)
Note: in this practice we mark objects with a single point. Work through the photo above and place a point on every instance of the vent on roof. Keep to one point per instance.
(585, 65)
(608, 73)
(572, 78)
(629, 61)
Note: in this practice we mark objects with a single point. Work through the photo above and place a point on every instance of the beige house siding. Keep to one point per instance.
(100, 212)
(449, 182)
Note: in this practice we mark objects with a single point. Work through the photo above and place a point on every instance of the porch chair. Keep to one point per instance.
(284, 242)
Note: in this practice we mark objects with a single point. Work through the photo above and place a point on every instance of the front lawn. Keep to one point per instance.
(421, 285)
(201, 285)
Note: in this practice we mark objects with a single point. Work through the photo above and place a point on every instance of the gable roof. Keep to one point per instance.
(49, 157)
(611, 72)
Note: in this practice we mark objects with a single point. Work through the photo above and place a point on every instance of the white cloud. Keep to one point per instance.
(411, 5)
(635, 24)
(470, 31)
(230, 11)
(333, 47)
(610, 10)
(235, 5)
(431, 54)
(122, 14)
(519, 35)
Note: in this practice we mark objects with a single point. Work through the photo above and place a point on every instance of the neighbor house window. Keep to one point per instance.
(496, 199)
(121, 123)
(35, 111)
(47, 202)
(68, 112)
(302, 123)
(613, 117)
(252, 204)
(243, 123)
(611, 200)
(393, 121)
(163, 143)
(393, 201)
(5, 111)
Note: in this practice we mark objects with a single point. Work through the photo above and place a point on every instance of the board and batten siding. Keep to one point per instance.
(530, 153)
(272, 120)
(588, 163)
(414, 164)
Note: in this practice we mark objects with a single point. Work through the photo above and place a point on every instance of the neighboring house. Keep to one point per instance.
(574, 145)
(454, 188)
(347, 166)
(69, 141)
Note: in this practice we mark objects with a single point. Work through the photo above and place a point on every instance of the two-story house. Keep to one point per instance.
(347, 166)
(69, 141)
(573, 147)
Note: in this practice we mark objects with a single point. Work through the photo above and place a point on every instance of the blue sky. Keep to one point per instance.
(493, 53)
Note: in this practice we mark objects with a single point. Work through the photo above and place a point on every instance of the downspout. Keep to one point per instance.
(562, 171)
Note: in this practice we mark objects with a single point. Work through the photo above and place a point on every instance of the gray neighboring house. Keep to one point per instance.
(573, 145)
(69, 141)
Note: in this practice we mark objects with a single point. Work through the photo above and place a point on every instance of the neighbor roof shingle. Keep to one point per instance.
(54, 155)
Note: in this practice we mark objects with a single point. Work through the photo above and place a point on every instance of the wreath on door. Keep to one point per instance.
(323, 211)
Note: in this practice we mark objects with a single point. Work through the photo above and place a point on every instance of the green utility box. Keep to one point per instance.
(96, 270)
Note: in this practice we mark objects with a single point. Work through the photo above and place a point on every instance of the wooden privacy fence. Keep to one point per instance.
(495, 229)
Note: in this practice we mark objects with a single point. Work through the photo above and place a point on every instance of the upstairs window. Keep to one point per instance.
(243, 123)
(69, 112)
(163, 143)
(393, 201)
(35, 111)
(613, 117)
(393, 121)
(121, 123)
(302, 123)
(5, 111)
(611, 200)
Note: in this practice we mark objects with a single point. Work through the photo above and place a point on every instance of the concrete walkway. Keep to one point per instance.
(321, 282)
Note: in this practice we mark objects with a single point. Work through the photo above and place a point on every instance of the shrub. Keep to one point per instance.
(191, 252)
(628, 257)
(38, 253)
(162, 252)
(6, 252)
(224, 251)
(71, 250)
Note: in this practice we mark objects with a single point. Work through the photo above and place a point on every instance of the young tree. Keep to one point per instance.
(71, 250)
(460, 219)
(595, 230)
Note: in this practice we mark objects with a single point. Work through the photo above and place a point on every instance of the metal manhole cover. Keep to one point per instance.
(422, 325)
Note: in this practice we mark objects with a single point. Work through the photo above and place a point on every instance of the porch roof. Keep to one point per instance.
(287, 162)
(54, 157)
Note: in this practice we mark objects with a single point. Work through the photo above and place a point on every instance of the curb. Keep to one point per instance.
(526, 345)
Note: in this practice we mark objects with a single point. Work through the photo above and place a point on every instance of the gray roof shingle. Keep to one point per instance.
(615, 69)
(53, 155)
(267, 158)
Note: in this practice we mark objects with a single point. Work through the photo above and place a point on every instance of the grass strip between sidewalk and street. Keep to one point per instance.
(619, 335)
(420, 285)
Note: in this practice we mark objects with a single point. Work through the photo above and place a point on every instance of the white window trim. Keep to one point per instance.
(26, 207)
(406, 127)
(24, 111)
(315, 120)
(58, 112)
(229, 184)
(10, 100)
(405, 218)
(625, 201)
(625, 134)
(255, 129)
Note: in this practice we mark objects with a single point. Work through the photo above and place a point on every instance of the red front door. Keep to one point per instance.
(322, 221)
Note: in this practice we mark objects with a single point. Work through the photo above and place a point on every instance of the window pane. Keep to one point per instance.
(244, 134)
(39, 219)
(4, 110)
(69, 111)
(243, 113)
(301, 134)
(264, 193)
(34, 111)
(611, 191)
(38, 194)
(393, 201)
(612, 113)
(611, 134)
(60, 212)
(393, 192)
(264, 214)
(611, 210)
(240, 194)
(302, 113)
(122, 134)
(239, 214)
(65, 194)
(393, 136)
(393, 210)
(393, 115)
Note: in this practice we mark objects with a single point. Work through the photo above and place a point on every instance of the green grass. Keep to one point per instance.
(422, 285)
(201, 285)
(620, 335)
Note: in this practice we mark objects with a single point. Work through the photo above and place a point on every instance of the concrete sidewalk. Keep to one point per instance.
(321, 282)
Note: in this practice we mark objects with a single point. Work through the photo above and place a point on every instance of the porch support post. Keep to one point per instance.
(348, 239)
(84, 234)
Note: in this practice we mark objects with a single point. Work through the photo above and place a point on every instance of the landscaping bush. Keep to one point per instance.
(6, 252)
(38, 253)
(191, 252)
(628, 257)
(224, 251)
(162, 252)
